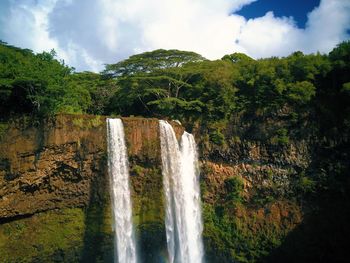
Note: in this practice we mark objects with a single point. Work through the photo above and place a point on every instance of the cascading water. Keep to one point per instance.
(181, 186)
(118, 168)
(193, 213)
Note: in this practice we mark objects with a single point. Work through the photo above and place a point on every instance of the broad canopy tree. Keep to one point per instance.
(148, 62)
(177, 84)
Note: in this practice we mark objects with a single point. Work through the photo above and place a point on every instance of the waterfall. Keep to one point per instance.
(118, 169)
(181, 187)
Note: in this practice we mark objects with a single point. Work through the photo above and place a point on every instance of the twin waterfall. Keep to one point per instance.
(180, 171)
(181, 186)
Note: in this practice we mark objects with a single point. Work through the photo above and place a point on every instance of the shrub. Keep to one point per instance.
(217, 138)
(281, 137)
(306, 184)
(234, 187)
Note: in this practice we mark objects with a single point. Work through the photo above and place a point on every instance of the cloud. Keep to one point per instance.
(269, 36)
(111, 30)
(327, 25)
(88, 33)
(26, 24)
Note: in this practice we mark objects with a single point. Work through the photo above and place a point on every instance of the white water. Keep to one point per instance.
(181, 186)
(118, 169)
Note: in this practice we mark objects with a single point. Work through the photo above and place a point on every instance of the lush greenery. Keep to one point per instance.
(38, 84)
(176, 84)
(183, 85)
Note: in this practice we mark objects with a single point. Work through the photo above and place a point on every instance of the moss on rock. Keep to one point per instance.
(45, 237)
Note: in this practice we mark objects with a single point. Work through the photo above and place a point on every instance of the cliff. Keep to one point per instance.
(52, 165)
(258, 198)
(58, 166)
(274, 191)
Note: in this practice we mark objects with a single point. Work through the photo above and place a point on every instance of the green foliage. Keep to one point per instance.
(179, 84)
(180, 90)
(217, 137)
(3, 129)
(301, 92)
(346, 88)
(237, 57)
(32, 83)
(213, 84)
(269, 85)
(65, 235)
(137, 170)
(39, 84)
(175, 108)
(150, 61)
(234, 187)
(97, 91)
(340, 56)
(306, 184)
(231, 238)
(42, 236)
(79, 123)
(281, 137)
(89, 123)
(96, 122)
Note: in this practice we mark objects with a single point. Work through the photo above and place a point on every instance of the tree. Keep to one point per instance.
(301, 92)
(150, 77)
(151, 61)
(237, 57)
(100, 89)
(213, 85)
(37, 84)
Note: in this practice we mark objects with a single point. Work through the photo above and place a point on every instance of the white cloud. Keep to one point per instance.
(269, 36)
(88, 33)
(26, 25)
(327, 25)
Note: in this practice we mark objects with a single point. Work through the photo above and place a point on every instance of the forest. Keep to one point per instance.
(180, 85)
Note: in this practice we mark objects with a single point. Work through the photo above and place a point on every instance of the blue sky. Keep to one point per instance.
(88, 34)
(298, 9)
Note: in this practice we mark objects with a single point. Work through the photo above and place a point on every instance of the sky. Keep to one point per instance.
(87, 34)
(298, 9)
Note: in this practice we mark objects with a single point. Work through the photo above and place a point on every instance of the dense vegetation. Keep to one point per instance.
(279, 100)
(181, 85)
(40, 85)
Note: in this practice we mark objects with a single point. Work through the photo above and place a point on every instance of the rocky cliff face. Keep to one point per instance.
(59, 164)
(265, 168)
(54, 193)
(52, 165)
(249, 193)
